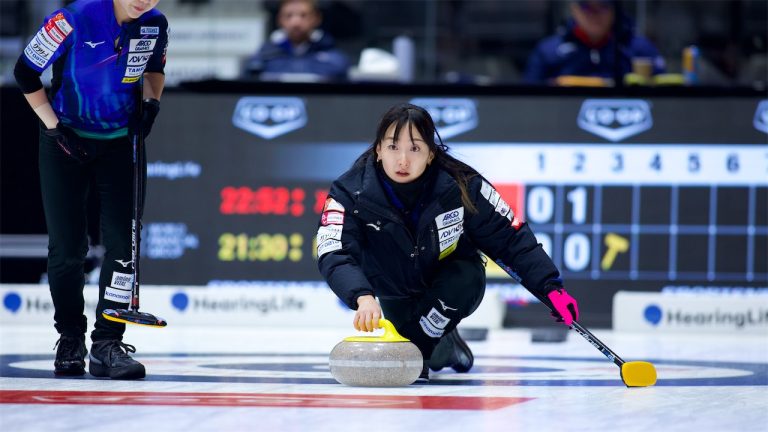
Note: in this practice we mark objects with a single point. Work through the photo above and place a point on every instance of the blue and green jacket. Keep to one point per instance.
(97, 64)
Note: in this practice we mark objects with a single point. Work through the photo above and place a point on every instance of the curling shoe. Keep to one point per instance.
(424, 375)
(452, 352)
(70, 356)
(110, 358)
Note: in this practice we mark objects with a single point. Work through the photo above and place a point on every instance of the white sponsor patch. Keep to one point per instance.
(332, 204)
(439, 320)
(32, 56)
(429, 328)
(63, 25)
(117, 295)
(328, 232)
(43, 39)
(332, 218)
(450, 217)
(122, 280)
(149, 30)
(496, 201)
(328, 246)
(138, 59)
(485, 190)
(494, 198)
(141, 45)
(449, 236)
(134, 71)
(503, 208)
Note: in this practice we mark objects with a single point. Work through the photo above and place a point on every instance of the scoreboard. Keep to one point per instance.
(624, 193)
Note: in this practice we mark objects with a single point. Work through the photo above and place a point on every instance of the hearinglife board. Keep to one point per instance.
(624, 194)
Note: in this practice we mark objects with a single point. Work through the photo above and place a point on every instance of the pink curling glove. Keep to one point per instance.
(565, 306)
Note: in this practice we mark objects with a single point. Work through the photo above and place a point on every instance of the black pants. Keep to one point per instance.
(66, 184)
(455, 292)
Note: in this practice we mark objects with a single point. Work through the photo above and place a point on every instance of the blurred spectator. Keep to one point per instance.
(298, 49)
(587, 47)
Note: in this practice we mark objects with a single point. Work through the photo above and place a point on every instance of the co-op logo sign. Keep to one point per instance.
(452, 116)
(269, 117)
(615, 119)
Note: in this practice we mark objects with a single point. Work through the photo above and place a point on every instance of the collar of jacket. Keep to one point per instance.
(371, 195)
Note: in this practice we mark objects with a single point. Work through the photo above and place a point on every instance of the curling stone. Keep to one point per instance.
(389, 360)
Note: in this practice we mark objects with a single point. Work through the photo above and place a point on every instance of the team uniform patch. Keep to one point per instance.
(332, 218)
(328, 232)
(450, 226)
(439, 320)
(450, 218)
(122, 280)
(149, 30)
(137, 60)
(117, 295)
(328, 246)
(141, 45)
(332, 205)
(429, 328)
(41, 48)
(498, 203)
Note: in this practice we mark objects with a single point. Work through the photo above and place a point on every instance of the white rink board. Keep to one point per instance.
(270, 304)
(690, 313)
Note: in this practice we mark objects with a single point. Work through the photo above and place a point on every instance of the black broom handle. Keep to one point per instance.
(592, 339)
(138, 143)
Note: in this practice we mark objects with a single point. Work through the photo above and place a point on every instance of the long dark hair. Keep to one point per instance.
(407, 114)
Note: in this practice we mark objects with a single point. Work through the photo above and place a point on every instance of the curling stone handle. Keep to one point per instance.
(390, 332)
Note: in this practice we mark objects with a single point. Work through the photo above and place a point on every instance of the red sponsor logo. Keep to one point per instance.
(58, 28)
(332, 218)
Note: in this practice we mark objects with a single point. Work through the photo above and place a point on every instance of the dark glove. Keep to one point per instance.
(142, 119)
(67, 141)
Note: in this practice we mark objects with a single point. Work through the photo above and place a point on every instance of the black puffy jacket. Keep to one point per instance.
(364, 246)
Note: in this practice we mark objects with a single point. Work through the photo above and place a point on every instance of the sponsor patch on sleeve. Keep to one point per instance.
(41, 48)
(332, 205)
(503, 209)
(149, 30)
(485, 190)
(332, 218)
(328, 232)
(495, 199)
(329, 245)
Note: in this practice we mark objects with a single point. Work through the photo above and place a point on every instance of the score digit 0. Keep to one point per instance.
(261, 247)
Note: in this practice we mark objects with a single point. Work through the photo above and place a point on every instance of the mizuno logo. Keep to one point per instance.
(93, 44)
(124, 263)
(374, 226)
(445, 308)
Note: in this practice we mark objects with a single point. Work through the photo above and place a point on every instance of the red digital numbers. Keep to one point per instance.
(320, 196)
(268, 200)
(264, 200)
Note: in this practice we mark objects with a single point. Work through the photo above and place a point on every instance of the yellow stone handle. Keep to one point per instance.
(390, 334)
